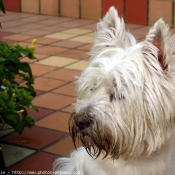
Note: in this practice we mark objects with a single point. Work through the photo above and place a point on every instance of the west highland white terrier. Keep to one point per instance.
(125, 108)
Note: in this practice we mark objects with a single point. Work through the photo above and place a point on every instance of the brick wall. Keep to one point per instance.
(133, 11)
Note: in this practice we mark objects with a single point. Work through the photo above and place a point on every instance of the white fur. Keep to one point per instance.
(159, 163)
(139, 120)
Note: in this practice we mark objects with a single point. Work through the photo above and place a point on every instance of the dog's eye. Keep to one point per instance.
(112, 97)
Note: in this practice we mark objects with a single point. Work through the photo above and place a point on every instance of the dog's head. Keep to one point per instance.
(125, 103)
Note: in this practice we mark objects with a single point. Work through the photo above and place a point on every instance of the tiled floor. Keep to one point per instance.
(62, 44)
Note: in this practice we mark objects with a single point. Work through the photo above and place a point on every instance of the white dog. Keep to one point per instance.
(125, 108)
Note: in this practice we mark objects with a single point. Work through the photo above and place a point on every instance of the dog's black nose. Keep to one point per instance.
(81, 123)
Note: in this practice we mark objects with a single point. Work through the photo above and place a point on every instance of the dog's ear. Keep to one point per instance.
(112, 21)
(111, 32)
(160, 44)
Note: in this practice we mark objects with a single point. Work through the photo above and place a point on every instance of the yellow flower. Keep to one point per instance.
(20, 111)
(33, 43)
(13, 95)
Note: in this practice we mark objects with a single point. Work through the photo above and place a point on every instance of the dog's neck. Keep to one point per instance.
(160, 161)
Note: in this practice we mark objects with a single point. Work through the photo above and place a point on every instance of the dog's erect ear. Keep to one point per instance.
(160, 43)
(111, 32)
(112, 21)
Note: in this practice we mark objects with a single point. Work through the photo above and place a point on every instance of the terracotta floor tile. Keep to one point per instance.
(68, 44)
(92, 34)
(35, 19)
(81, 22)
(38, 69)
(2, 33)
(32, 26)
(173, 30)
(86, 39)
(139, 37)
(57, 61)
(68, 109)
(39, 162)
(86, 47)
(39, 92)
(55, 28)
(77, 31)
(43, 40)
(37, 55)
(42, 112)
(21, 15)
(141, 32)
(50, 22)
(57, 121)
(53, 101)
(64, 74)
(81, 65)
(76, 23)
(77, 54)
(40, 56)
(12, 23)
(19, 37)
(61, 35)
(132, 26)
(56, 20)
(47, 84)
(15, 29)
(9, 41)
(89, 26)
(35, 138)
(39, 17)
(50, 50)
(14, 15)
(37, 32)
(6, 17)
(13, 154)
(15, 23)
(26, 44)
(63, 147)
(70, 24)
(68, 89)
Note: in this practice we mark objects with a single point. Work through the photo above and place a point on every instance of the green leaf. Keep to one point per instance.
(20, 127)
(26, 53)
(11, 118)
(35, 108)
(12, 67)
(25, 68)
(2, 6)
(14, 56)
(29, 121)
(30, 90)
(2, 59)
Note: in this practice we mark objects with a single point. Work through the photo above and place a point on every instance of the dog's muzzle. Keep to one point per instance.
(81, 122)
(84, 126)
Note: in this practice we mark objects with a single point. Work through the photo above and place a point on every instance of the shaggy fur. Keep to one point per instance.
(125, 107)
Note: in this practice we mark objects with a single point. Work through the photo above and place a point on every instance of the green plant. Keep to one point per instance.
(16, 79)
(16, 90)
